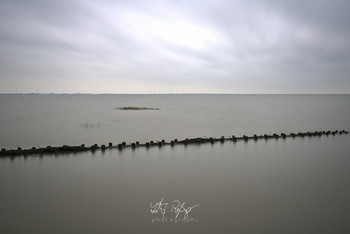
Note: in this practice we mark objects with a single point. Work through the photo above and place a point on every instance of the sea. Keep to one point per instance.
(293, 185)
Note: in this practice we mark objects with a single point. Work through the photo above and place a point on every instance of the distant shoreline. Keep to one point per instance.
(174, 93)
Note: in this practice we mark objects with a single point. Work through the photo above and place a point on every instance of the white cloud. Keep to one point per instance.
(182, 46)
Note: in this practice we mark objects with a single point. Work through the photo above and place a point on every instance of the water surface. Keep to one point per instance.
(283, 186)
(41, 120)
(277, 186)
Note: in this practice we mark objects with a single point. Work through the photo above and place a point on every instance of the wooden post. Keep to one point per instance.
(222, 139)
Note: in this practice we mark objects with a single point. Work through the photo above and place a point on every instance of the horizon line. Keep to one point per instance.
(52, 93)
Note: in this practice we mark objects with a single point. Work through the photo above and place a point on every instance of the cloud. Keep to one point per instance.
(247, 46)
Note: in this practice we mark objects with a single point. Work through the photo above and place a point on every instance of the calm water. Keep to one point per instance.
(41, 120)
(277, 186)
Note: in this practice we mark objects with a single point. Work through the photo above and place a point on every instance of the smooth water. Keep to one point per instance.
(283, 186)
(41, 120)
(277, 186)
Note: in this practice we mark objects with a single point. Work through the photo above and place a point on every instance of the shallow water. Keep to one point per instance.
(277, 186)
(41, 120)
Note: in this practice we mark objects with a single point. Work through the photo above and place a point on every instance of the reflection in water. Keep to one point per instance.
(277, 186)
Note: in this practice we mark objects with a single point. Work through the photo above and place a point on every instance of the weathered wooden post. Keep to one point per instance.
(222, 139)
(186, 141)
(234, 138)
(211, 140)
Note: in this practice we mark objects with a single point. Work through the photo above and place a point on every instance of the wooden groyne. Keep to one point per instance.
(122, 146)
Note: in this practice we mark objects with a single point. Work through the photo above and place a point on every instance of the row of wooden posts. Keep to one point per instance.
(123, 145)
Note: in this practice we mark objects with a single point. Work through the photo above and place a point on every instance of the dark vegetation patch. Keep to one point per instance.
(126, 108)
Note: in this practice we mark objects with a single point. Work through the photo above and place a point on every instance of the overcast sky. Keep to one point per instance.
(174, 46)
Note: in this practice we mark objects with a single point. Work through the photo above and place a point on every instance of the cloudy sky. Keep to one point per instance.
(175, 46)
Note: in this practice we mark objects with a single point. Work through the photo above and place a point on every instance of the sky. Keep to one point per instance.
(174, 46)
